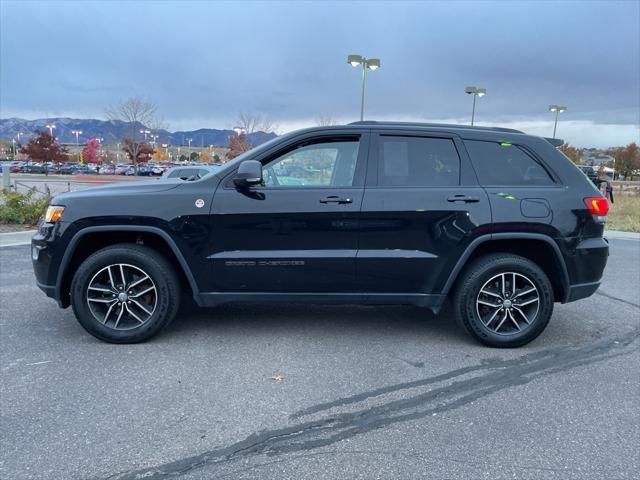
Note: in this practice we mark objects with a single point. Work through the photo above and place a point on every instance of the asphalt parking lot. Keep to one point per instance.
(360, 392)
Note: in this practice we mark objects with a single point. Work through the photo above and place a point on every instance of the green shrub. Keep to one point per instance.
(22, 208)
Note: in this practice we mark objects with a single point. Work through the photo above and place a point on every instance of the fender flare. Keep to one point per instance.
(462, 261)
(73, 243)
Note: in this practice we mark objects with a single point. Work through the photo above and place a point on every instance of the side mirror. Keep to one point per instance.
(249, 173)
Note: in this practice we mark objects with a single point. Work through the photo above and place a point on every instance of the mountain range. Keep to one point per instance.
(113, 131)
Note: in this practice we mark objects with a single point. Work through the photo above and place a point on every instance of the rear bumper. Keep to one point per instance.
(582, 290)
(586, 265)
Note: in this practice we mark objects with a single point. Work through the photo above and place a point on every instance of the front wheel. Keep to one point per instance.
(125, 293)
(504, 300)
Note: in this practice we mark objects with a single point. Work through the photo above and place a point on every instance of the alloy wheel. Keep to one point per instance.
(508, 303)
(122, 296)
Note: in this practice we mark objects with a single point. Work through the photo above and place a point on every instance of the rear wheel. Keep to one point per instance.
(504, 300)
(125, 293)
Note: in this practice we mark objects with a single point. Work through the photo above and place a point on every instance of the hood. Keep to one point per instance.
(119, 189)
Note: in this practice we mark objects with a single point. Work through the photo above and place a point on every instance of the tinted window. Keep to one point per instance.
(330, 164)
(175, 174)
(500, 164)
(417, 161)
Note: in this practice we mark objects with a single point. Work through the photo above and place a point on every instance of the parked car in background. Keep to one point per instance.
(122, 169)
(16, 166)
(33, 168)
(143, 171)
(189, 172)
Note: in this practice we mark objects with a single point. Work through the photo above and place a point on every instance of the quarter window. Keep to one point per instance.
(329, 164)
(417, 162)
(505, 164)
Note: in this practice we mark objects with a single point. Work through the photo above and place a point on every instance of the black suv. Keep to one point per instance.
(500, 222)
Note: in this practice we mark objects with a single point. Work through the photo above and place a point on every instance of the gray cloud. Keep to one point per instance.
(205, 61)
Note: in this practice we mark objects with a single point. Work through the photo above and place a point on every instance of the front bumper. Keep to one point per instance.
(45, 259)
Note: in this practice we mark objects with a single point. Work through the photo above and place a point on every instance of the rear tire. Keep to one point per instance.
(503, 300)
(125, 293)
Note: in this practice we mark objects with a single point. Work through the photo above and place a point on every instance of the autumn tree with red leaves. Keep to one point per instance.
(237, 145)
(137, 152)
(574, 154)
(627, 160)
(43, 147)
(90, 152)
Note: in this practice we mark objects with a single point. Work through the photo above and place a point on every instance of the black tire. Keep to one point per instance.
(166, 296)
(480, 274)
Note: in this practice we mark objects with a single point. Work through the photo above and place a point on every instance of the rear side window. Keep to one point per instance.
(505, 164)
(417, 162)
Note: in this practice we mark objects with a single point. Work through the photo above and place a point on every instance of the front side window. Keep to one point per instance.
(417, 162)
(330, 164)
(505, 164)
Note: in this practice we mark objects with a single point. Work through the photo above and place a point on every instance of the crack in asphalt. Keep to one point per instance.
(599, 292)
(494, 375)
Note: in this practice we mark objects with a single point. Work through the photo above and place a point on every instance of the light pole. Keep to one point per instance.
(558, 109)
(77, 133)
(13, 141)
(476, 92)
(50, 127)
(145, 132)
(367, 63)
(154, 138)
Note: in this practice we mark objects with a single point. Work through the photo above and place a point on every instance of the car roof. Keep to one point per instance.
(464, 131)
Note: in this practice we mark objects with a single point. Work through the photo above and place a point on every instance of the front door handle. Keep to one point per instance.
(463, 198)
(335, 199)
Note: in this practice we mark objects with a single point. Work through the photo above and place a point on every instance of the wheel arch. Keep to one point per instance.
(81, 246)
(545, 253)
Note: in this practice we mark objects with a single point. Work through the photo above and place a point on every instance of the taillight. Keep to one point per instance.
(597, 205)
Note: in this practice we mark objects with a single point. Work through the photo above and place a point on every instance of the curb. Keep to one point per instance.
(619, 235)
(13, 239)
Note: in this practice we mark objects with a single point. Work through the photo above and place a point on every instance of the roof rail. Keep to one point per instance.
(438, 125)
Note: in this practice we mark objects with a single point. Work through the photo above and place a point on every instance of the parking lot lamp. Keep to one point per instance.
(145, 132)
(50, 127)
(77, 133)
(367, 64)
(476, 92)
(557, 109)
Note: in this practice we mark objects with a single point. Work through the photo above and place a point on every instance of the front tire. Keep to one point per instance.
(503, 300)
(125, 293)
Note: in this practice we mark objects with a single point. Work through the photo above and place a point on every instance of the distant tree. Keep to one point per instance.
(183, 158)
(137, 151)
(43, 147)
(574, 154)
(237, 145)
(159, 154)
(627, 160)
(253, 122)
(139, 113)
(193, 157)
(325, 121)
(216, 158)
(204, 157)
(90, 151)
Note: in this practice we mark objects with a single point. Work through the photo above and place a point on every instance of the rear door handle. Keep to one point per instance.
(463, 198)
(335, 199)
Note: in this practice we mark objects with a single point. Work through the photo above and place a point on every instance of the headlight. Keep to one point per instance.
(53, 214)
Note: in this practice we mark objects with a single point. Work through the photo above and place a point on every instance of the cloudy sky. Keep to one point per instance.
(202, 62)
